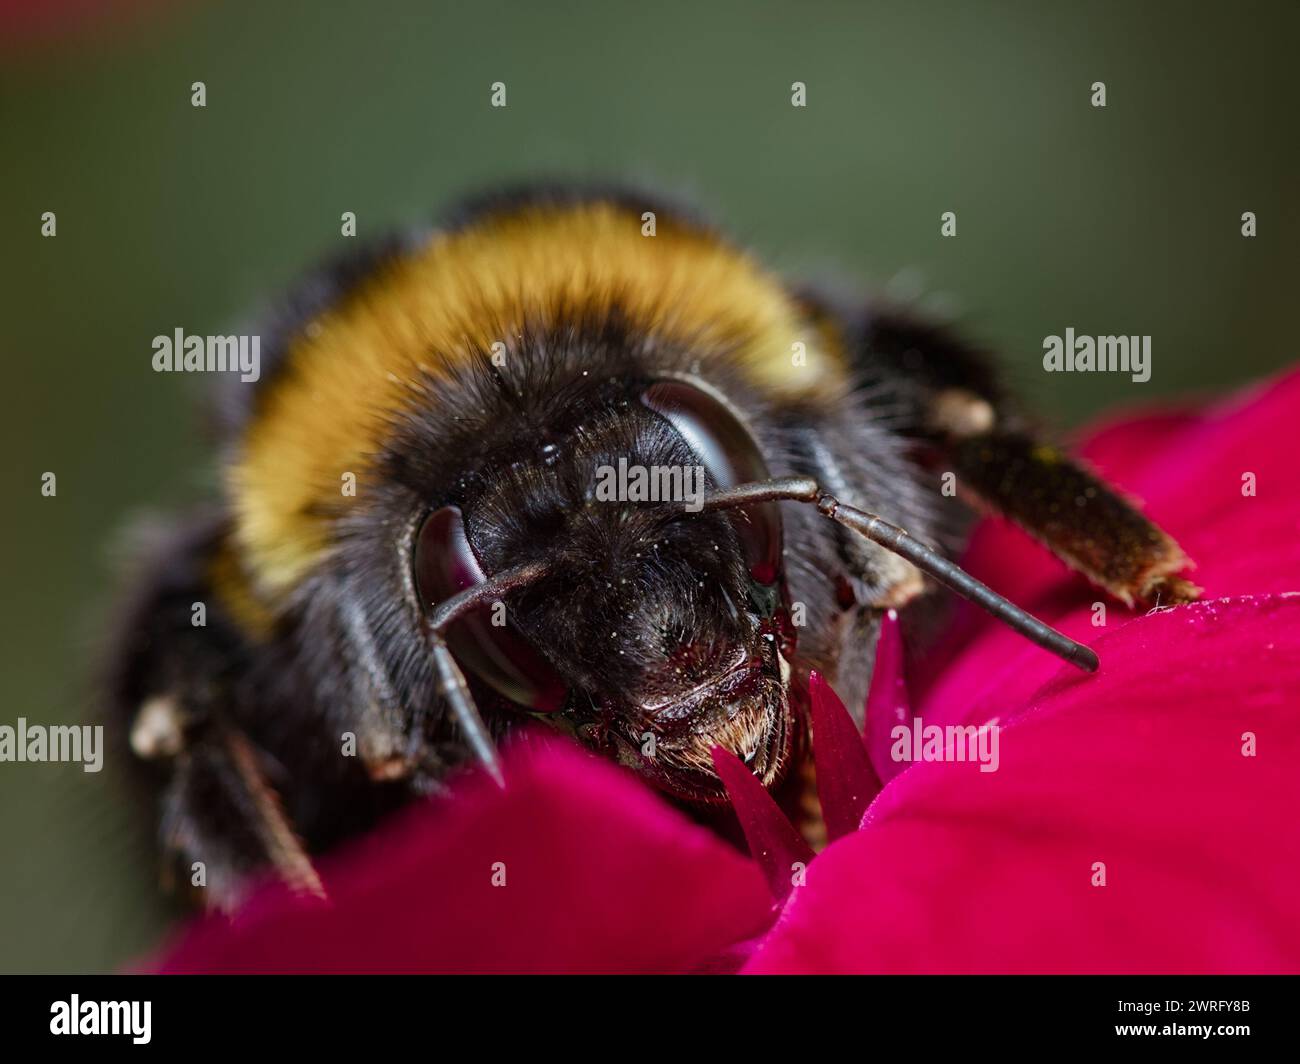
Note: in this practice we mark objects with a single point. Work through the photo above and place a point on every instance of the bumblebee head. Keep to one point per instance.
(655, 631)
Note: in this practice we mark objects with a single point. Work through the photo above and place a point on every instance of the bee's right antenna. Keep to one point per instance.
(895, 539)
(451, 678)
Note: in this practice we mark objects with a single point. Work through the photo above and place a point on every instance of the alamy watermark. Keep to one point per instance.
(919, 741)
(133, 1018)
(179, 353)
(82, 743)
(628, 482)
(1098, 354)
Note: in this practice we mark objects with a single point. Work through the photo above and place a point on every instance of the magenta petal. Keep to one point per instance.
(846, 782)
(1139, 820)
(575, 867)
(778, 848)
(887, 701)
(1170, 771)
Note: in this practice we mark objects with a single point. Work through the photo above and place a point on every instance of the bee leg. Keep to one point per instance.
(220, 807)
(284, 850)
(957, 407)
(1082, 520)
(855, 660)
(175, 702)
(389, 749)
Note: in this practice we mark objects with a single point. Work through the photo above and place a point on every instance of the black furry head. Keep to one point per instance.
(665, 630)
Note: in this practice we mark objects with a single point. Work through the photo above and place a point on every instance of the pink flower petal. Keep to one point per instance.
(600, 875)
(887, 700)
(846, 782)
(779, 850)
(1139, 769)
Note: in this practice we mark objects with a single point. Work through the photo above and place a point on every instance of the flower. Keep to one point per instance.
(1139, 820)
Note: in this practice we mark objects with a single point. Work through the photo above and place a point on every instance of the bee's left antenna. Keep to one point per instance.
(451, 679)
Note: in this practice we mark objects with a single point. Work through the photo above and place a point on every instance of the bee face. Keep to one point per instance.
(659, 633)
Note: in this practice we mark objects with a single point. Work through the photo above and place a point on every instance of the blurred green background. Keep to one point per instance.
(1117, 220)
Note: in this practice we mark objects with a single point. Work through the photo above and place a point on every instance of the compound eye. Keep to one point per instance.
(731, 456)
(484, 642)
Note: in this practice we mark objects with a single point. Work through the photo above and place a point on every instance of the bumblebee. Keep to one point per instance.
(411, 555)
